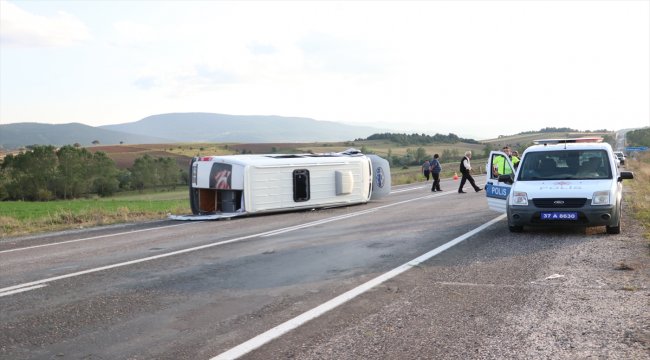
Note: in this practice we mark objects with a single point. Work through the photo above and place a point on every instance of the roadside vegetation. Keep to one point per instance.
(639, 199)
(25, 217)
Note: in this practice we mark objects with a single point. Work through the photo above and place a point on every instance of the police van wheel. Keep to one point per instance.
(613, 229)
(515, 229)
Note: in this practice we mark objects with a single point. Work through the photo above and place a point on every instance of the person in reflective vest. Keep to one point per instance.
(515, 159)
(500, 165)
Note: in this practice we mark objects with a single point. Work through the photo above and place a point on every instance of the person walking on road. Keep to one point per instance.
(465, 169)
(436, 168)
(426, 169)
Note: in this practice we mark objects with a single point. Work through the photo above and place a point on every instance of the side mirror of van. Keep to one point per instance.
(625, 175)
(506, 179)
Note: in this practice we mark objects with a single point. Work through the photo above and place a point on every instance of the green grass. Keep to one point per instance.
(33, 210)
(21, 217)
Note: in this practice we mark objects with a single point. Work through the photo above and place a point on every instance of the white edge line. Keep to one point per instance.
(90, 238)
(136, 261)
(301, 319)
(160, 256)
(7, 293)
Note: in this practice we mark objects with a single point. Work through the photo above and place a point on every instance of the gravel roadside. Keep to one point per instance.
(541, 294)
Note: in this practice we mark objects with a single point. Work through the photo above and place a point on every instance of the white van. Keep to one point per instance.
(558, 182)
(236, 185)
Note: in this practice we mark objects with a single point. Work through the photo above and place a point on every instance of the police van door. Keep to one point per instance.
(496, 191)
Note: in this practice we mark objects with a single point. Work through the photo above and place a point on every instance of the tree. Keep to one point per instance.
(168, 171)
(143, 173)
(486, 151)
(420, 155)
(148, 172)
(72, 172)
(45, 173)
(450, 154)
(639, 137)
(31, 175)
(104, 179)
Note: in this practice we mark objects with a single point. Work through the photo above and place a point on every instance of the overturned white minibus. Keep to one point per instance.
(235, 185)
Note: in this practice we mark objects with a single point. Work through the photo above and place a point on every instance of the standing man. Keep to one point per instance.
(465, 169)
(436, 168)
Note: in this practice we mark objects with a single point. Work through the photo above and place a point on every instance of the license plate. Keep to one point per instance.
(559, 215)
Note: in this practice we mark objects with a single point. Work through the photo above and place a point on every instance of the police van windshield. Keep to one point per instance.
(565, 165)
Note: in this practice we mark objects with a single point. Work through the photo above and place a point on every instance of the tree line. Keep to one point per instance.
(419, 139)
(639, 137)
(47, 173)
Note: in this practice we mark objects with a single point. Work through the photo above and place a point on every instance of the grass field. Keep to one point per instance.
(21, 217)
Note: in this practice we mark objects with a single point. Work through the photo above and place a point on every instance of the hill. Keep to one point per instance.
(211, 127)
(13, 136)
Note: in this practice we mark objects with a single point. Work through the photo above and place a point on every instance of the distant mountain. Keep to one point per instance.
(13, 136)
(209, 127)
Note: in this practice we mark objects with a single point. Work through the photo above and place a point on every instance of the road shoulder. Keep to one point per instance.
(554, 295)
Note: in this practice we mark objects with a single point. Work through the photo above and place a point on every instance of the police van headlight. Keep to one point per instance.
(519, 198)
(600, 198)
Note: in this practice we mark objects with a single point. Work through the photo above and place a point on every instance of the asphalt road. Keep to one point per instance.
(177, 290)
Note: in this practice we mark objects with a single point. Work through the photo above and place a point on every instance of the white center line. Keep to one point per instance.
(276, 332)
(90, 238)
(23, 289)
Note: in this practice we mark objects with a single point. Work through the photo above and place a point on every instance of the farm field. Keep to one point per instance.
(125, 155)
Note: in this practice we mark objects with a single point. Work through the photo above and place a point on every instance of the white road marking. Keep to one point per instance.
(23, 289)
(301, 319)
(90, 238)
(178, 252)
(407, 189)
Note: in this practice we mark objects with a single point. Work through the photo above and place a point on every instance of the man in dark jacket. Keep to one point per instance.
(465, 169)
(435, 172)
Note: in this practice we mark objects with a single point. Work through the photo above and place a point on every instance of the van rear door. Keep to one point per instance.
(498, 167)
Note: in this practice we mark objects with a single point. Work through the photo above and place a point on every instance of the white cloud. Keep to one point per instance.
(19, 28)
(129, 33)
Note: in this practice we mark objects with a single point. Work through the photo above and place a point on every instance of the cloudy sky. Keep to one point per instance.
(478, 69)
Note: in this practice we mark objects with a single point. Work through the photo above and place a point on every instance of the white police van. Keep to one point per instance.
(558, 182)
